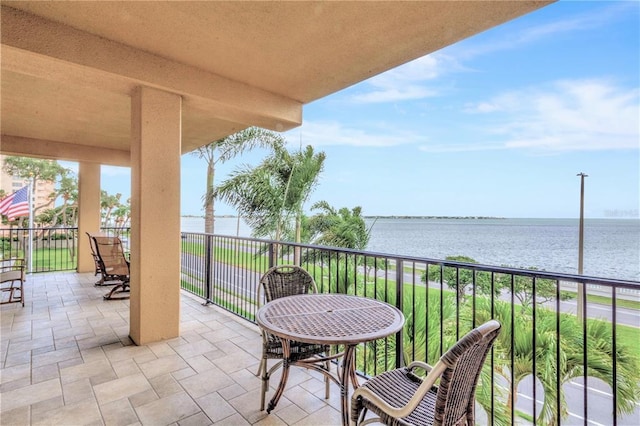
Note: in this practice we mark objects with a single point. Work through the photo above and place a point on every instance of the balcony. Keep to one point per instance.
(67, 358)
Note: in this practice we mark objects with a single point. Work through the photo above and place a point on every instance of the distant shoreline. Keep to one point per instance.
(389, 217)
(230, 216)
(433, 217)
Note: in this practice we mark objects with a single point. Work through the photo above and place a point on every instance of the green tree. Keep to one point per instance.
(108, 203)
(548, 371)
(122, 214)
(338, 228)
(271, 196)
(298, 173)
(35, 170)
(460, 278)
(224, 149)
(546, 289)
(68, 191)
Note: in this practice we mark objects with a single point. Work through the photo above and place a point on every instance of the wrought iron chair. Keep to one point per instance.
(12, 280)
(281, 281)
(113, 264)
(400, 397)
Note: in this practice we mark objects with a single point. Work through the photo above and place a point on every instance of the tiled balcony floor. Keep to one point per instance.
(67, 360)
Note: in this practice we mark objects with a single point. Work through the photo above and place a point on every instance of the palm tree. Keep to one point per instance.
(271, 196)
(123, 215)
(342, 228)
(226, 148)
(299, 173)
(571, 363)
(68, 190)
(339, 228)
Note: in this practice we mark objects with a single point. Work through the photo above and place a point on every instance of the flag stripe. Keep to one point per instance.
(6, 202)
(16, 204)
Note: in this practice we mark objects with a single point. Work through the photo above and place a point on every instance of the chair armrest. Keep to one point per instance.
(419, 364)
(10, 268)
(399, 412)
(12, 264)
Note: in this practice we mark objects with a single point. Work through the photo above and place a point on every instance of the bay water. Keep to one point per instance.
(611, 246)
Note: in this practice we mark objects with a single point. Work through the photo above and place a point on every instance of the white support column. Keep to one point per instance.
(88, 212)
(155, 215)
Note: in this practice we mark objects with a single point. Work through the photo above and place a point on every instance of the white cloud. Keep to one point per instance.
(519, 37)
(569, 115)
(394, 94)
(406, 82)
(327, 133)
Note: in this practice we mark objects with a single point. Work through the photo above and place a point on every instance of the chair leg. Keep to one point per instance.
(266, 374)
(120, 288)
(326, 380)
(361, 417)
(12, 289)
(263, 364)
(12, 293)
(265, 386)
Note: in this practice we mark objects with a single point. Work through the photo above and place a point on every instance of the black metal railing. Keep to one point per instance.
(49, 249)
(552, 364)
(548, 366)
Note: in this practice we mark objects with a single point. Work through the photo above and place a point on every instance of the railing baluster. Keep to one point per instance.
(535, 349)
(207, 268)
(399, 305)
(558, 343)
(614, 378)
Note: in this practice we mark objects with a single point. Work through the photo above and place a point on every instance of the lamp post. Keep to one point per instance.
(581, 288)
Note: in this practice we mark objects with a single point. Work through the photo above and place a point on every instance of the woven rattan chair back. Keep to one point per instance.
(286, 280)
(456, 391)
(400, 397)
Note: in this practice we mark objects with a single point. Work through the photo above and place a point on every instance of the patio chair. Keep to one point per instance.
(401, 397)
(12, 280)
(113, 262)
(105, 278)
(281, 281)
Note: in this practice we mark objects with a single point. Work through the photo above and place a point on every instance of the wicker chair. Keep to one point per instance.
(400, 397)
(113, 264)
(281, 281)
(12, 280)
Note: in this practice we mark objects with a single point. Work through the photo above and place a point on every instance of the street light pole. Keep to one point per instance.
(581, 289)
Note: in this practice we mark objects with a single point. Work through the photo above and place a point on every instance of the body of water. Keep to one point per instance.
(611, 246)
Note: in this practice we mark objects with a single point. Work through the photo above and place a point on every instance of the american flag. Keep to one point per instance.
(16, 204)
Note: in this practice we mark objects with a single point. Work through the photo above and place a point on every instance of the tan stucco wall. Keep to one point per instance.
(88, 212)
(155, 215)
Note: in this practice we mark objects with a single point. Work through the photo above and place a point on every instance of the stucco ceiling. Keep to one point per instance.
(68, 68)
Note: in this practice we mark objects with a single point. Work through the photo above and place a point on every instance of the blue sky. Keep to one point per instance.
(495, 125)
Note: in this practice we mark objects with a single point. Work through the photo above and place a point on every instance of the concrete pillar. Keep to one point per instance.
(155, 215)
(88, 212)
